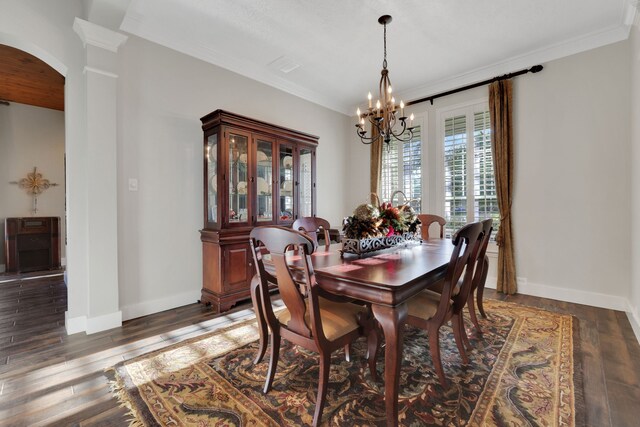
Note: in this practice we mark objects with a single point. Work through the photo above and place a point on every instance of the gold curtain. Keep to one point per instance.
(500, 105)
(376, 163)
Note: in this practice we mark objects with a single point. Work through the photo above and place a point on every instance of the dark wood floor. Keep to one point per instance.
(49, 378)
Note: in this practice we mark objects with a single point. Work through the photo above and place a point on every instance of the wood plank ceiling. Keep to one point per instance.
(28, 80)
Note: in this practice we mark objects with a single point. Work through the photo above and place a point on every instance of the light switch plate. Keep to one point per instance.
(133, 184)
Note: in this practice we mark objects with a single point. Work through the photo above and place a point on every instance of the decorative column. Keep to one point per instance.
(100, 70)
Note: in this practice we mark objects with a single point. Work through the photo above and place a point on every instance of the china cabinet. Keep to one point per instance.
(255, 173)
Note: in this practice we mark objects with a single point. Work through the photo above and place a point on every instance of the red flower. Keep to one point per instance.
(391, 231)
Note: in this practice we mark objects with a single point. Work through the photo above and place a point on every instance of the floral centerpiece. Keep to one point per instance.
(372, 227)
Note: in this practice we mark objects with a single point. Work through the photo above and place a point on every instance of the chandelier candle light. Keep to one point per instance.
(383, 116)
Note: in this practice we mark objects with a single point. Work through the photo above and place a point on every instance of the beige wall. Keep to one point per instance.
(162, 95)
(30, 136)
(635, 181)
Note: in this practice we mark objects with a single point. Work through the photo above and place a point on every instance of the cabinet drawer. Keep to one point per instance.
(30, 242)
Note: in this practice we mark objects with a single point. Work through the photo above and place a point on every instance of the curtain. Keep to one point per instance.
(500, 105)
(376, 164)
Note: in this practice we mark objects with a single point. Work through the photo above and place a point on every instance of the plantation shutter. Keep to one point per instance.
(485, 195)
(412, 170)
(455, 173)
(389, 180)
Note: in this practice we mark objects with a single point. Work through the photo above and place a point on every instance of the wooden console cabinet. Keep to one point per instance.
(32, 244)
(255, 173)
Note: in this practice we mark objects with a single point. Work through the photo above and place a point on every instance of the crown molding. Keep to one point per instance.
(134, 23)
(95, 35)
(539, 56)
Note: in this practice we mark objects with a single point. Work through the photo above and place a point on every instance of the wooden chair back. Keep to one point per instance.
(427, 220)
(487, 228)
(474, 265)
(277, 241)
(311, 226)
(466, 243)
(482, 263)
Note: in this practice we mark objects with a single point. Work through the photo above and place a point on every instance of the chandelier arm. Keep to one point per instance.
(366, 139)
(401, 139)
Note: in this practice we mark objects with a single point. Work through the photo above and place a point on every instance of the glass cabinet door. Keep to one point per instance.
(285, 167)
(264, 180)
(306, 182)
(238, 176)
(212, 178)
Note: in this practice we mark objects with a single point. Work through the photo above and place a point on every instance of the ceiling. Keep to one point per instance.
(28, 80)
(330, 52)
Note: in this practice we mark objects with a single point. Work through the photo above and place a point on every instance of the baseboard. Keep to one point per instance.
(75, 324)
(594, 299)
(634, 319)
(149, 307)
(104, 322)
(92, 325)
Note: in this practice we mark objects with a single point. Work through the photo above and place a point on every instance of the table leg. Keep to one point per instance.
(392, 320)
(262, 323)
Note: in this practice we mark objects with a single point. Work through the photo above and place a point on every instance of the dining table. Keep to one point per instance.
(386, 280)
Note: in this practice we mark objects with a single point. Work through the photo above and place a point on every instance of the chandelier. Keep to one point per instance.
(386, 114)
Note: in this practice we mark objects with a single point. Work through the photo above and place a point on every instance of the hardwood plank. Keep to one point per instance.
(618, 363)
(624, 400)
(593, 375)
(50, 378)
(114, 416)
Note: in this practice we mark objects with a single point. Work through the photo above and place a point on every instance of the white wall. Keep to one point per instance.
(162, 95)
(573, 167)
(44, 29)
(571, 208)
(31, 137)
(635, 178)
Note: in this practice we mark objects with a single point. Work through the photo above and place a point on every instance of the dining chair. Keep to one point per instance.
(426, 220)
(480, 275)
(308, 319)
(430, 310)
(311, 226)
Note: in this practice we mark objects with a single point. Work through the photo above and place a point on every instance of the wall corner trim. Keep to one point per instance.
(95, 35)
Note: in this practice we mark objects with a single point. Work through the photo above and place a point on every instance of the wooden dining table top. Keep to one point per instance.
(387, 277)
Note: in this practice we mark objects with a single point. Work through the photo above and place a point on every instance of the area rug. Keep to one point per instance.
(522, 371)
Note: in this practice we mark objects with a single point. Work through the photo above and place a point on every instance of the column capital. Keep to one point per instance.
(95, 35)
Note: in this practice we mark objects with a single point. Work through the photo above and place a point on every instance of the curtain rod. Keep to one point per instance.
(534, 69)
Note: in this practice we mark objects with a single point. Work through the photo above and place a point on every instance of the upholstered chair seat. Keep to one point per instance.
(424, 305)
(337, 318)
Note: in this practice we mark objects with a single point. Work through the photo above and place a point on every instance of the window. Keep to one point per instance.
(469, 182)
(402, 170)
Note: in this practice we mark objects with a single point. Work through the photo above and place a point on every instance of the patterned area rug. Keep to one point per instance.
(521, 373)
